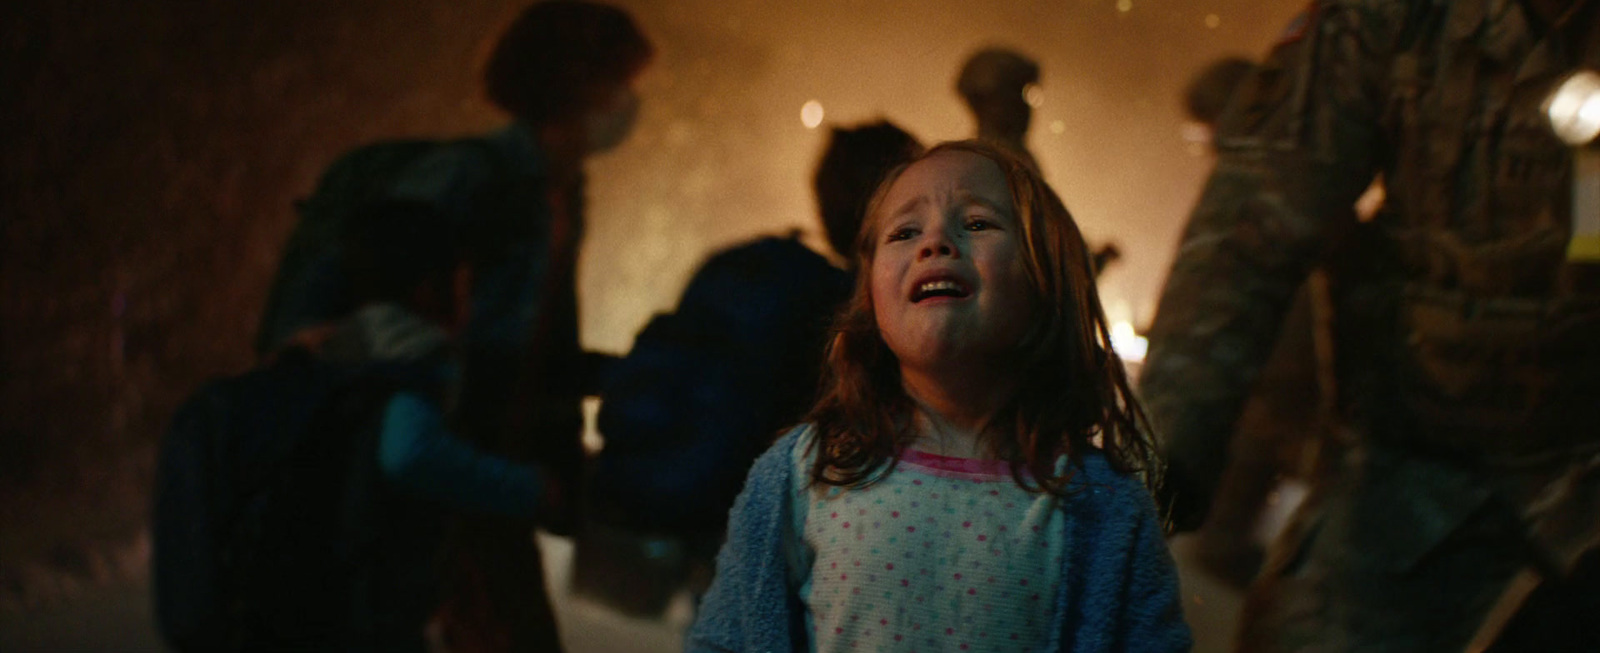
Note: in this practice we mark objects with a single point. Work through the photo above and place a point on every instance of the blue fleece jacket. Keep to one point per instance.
(1120, 589)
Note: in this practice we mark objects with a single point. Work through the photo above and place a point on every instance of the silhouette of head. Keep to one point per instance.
(1209, 91)
(856, 159)
(562, 60)
(992, 83)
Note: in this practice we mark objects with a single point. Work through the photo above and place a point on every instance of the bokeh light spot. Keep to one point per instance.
(1124, 6)
(1574, 108)
(1213, 20)
(1128, 343)
(811, 114)
(1033, 95)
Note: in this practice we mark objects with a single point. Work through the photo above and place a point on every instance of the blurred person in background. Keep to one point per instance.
(1465, 326)
(564, 70)
(304, 504)
(994, 83)
(1000, 86)
(709, 386)
(1279, 440)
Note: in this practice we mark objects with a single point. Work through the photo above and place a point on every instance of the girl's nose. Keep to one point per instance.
(937, 243)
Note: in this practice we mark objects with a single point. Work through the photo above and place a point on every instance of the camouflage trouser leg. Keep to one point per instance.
(1227, 544)
(1392, 554)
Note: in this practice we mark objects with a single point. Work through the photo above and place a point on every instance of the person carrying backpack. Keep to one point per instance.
(564, 70)
(303, 505)
(707, 387)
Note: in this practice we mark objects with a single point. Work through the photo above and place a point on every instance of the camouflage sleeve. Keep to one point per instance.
(1298, 143)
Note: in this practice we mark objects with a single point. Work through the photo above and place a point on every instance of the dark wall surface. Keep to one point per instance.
(151, 154)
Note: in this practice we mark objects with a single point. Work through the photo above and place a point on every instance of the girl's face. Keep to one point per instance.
(949, 283)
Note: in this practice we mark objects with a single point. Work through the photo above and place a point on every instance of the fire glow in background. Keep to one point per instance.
(738, 103)
(154, 150)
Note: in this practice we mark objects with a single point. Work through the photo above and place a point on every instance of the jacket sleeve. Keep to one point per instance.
(750, 607)
(416, 452)
(448, 178)
(1299, 142)
(1153, 603)
(1119, 589)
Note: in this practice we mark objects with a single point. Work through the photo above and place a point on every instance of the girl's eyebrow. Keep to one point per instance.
(910, 206)
(986, 203)
(973, 198)
(965, 197)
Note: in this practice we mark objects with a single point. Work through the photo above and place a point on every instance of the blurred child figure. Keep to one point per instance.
(971, 478)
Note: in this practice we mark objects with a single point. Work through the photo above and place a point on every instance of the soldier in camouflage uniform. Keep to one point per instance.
(1277, 439)
(1467, 340)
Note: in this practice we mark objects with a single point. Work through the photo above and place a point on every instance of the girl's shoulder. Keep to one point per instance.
(770, 480)
(1095, 479)
(785, 455)
(795, 443)
(798, 444)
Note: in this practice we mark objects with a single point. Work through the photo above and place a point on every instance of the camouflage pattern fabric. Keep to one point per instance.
(1468, 347)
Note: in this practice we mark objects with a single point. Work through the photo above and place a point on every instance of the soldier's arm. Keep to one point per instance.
(1296, 147)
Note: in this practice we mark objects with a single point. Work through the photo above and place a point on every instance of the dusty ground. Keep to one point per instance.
(113, 615)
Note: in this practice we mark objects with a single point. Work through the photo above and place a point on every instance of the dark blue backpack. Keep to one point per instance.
(708, 387)
(264, 505)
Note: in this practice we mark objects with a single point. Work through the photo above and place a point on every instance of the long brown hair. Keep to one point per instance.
(1072, 386)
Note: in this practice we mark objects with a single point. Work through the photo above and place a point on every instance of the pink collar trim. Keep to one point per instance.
(972, 468)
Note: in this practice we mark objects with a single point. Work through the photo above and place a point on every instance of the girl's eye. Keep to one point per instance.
(980, 224)
(902, 233)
